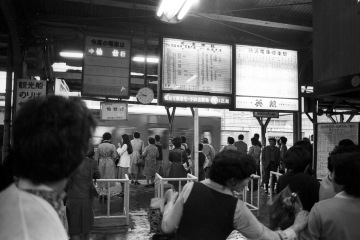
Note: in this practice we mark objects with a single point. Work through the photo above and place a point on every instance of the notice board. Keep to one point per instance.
(328, 135)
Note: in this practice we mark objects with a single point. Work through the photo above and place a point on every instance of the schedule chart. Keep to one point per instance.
(266, 78)
(196, 66)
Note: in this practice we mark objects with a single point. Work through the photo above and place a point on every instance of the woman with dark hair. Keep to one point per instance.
(307, 146)
(79, 203)
(211, 209)
(255, 152)
(296, 160)
(177, 157)
(338, 217)
(283, 149)
(150, 154)
(138, 148)
(105, 156)
(124, 164)
(50, 141)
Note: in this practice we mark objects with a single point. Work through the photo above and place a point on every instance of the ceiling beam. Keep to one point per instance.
(217, 17)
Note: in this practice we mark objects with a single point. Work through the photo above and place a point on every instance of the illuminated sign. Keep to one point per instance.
(266, 79)
(28, 89)
(196, 99)
(106, 70)
(196, 66)
(193, 69)
(113, 111)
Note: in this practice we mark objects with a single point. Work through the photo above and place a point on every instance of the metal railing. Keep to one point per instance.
(250, 203)
(159, 180)
(271, 182)
(125, 214)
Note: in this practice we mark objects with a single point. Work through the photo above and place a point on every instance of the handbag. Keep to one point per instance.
(282, 209)
(155, 215)
(93, 190)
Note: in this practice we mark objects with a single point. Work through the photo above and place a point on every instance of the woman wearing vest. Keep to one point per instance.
(211, 209)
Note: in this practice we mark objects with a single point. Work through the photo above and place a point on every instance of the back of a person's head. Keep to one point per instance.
(230, 140)
(136, 135)
(183, 139)
(106, 136)
(254, 141)
(283, 140)
(205, 140)
(340, 150)
(346, 167)
(157, 138)
(297, 159)
(201, 146)
(51, 138)
(305, 144)
(231, 164)
(151, 140)
(256, 135)
(346, 142)
(241, 137)
(177, 142)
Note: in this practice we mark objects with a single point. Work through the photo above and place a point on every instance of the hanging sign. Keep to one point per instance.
(27, 89)
(113, 111)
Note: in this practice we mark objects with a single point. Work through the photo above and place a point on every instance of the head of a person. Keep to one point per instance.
(305, 144)
(176, 141)
(201, 146)
(233, 169)
(278, 142)
(346, 173)
(241, 137)
(230, 140)
(254, 141)
(188, 151)
(183, 139)
(157, 138)
(136, 135)
(125, 138)
(283, 140)
(256, 135)
(51, 138)
(297, 159)
(106, 136)
(306, 139)
(205, 141)
(272, 141)
(151, 140)
(346, 143)
(340, 150)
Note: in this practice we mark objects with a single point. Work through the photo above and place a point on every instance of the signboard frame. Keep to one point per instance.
(267, 114)
(34, 91)
(127, 95)
(118, 104)
(194, 94)
(316, 143)
(235, 81)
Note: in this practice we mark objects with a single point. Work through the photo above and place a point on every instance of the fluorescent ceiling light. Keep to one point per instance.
(71, 54)
(62, 67)
(184, 10)
(136, 74)
(173, 11)
(148, 59)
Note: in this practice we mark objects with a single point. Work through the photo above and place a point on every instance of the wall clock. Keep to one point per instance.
(145, 95)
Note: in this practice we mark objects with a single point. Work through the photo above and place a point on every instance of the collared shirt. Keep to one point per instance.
(326, 190)
(244, 220)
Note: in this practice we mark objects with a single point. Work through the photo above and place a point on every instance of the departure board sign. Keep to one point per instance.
(328, 136)
(266, 79)
(192, 69)
(106, 67)
(113, 110)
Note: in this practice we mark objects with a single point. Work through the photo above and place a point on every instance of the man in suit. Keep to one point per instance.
(270, 160)
(240, 145)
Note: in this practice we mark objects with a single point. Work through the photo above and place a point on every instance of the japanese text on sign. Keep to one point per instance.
(28, 89)
(113, 111)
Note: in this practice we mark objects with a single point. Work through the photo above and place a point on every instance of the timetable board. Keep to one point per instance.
(266, 79)
(196, 66)
(328, 135)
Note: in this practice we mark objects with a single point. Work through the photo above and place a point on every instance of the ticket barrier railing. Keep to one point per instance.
(271, 182)
(125, 214)
(160, 183)
(250, 202)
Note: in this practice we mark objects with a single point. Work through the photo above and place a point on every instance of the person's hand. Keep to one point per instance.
(301, 220)
(171, 196)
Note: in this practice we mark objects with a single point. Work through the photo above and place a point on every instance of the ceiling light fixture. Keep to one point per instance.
(148, 59)
(71, 54)
(173, 11)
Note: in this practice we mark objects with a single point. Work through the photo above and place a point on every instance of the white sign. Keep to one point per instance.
(328, 136)
(266, 114)
(196, 99)
(266, 75)
(196, 66)
(27, 89)
(106, 69)
(113, 111)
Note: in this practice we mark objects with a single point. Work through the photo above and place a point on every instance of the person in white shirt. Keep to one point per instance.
(124, 163)
(50, 141)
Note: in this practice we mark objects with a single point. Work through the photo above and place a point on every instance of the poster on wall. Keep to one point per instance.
(195, 73)
(27, 89)
(266, 79)
(106, 67)
(328, 135)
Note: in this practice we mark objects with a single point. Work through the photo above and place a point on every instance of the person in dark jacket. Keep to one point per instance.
(159, 159)
(296, 160)
(177, 157)
(270, 160)
(79, 203)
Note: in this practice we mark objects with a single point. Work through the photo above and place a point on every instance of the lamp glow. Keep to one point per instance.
(148, 59)
(173, 11)
(184, 10)
(71, 54)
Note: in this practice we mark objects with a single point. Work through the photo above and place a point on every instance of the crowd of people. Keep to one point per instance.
(52, 152)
